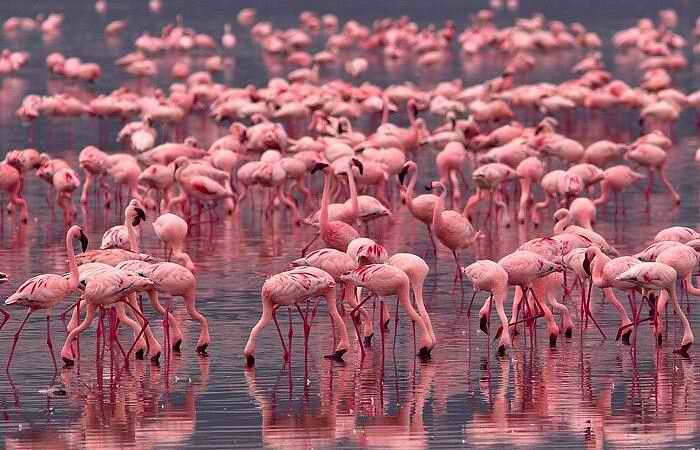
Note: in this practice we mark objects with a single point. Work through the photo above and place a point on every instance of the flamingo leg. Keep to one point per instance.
(14, 342)
(144, 325)
(49, 344)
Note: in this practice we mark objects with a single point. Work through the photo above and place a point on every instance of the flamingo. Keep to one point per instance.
(177, 281)
(335, 234)
(660, 277)
(289, 289)
(125, 236)
(172, 232)
(385, 280)
(422, 206)
(107, 288)
(489, 276)
(453, 230)
(44, 292)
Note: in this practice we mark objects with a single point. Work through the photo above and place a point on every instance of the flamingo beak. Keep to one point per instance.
(318, 166)
(359, 165)
(141, 216)
(402, 174)
(428, 187)
(587, 265)
(83, 241)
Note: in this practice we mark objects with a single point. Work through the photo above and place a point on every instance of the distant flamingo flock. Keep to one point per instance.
(338, 155)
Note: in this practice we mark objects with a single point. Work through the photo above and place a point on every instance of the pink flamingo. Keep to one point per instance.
(421, 206)
(489, 276)
(47, 291)
(125, 236)
(337, 263)
(604, 274)
(10, 182)
(176, 281)
(617, 179)
(384, 280)
(524, 269)
(289, 289)
(172, 232)
(453, 230)
(335, 234)
(659, 277)
(108, 288)
(417, 270)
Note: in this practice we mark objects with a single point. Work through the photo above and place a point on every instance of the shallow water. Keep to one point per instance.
(585, 392)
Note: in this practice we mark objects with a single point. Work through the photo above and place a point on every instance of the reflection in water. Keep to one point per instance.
(140, 411)
(353, 405)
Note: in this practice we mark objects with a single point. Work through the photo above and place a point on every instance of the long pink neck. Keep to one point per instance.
(72, 266)
(410, 190)
(599, 263)
(562, 224)
(325, 200)
(131, 231)
(439, 207)
(355, 206)
(385, 111)
(411, 114)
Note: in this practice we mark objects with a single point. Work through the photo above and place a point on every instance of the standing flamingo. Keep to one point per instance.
(335, 234)
(421, 206)
(172, 231)
(453, 230)
(48, 290)
(125, 236)
(289, 289)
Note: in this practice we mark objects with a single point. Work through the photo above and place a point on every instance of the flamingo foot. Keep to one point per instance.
(249, 360)
(499, 331)
(568, 333)
(683, 351)
(501, 350)
(336, 355)
(368, 340)
(202, 349)
(139, 354)
(552, 340)
(68, 362)
(626, 338)
(176, 346)
(424, 353)
(155, 358)
(483, 326)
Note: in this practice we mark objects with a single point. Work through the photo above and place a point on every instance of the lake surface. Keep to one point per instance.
(586, 392)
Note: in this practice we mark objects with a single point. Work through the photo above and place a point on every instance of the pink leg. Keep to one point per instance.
(49, 344)
(14, 342)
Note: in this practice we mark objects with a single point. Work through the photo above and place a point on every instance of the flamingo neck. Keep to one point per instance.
(325, 200)
(131, 231)
(72, 266)
(411, 114)
(439, 207)
(410, 190)
(562, 224)
(385, 112)
(355, 206)
(598, 264)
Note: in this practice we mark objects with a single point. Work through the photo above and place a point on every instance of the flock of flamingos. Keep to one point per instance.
(287, 134)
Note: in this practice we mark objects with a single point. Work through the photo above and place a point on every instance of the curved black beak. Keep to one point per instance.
(318, 166)
(587, 265)
(141, 216)
(428, 187)
(359, 165)
(83, 241)
(402, 174)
